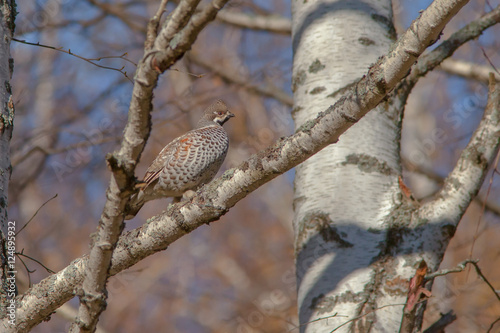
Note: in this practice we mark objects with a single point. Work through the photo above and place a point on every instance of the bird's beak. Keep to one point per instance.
(231, 115)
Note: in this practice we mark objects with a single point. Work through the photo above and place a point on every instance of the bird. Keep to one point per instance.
(186, 163)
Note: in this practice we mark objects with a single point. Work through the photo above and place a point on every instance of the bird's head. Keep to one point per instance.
(217, 113)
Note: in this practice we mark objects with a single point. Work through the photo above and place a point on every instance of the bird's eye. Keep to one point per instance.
(220, 113)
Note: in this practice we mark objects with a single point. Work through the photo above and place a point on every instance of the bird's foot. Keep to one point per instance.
(188, 195)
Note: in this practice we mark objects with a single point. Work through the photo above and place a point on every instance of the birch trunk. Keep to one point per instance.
(344, 193)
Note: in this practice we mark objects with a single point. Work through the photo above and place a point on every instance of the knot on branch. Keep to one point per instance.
(123, 172)
(119, 165)
(95, 298)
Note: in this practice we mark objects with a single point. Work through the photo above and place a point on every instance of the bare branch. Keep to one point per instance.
(154, 22)
(134, 22)
(216, 198)
(232, 76)
(175, 48)
(55, 151)
(485, 201)
(464, 182)
(276, 24)
(90, 61)
(35, 260)
(122, 163)
(434, 58)
(69, 313)
(177, 21)
(32, 217)
(492, 325)
(489, 60)
(363, 315)
(460, 268)
(467, 70)
(488, 203)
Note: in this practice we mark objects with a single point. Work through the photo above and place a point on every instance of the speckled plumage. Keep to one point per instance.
(188, 162)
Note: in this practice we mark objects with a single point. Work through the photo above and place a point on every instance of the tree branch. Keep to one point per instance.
(90, 61)
(464, 182)
(275, 24)
(231, 76)
(485, 201)
(122, 164)
(446, 49)
(460, 268)
(133, 21)
(467, 70)
(215, 199)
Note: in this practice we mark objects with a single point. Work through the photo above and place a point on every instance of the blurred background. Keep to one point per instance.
(237, 274)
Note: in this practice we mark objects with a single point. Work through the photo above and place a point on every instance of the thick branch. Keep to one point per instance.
(174, 48)
(485, 201)
(445, 50)
(464, 182)
(216, 198)
(178, 20)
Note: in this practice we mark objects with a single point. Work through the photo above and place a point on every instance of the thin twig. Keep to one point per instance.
(350, 320)
(315, 320)
(227, 74)
(55, 151)
(35, 260)
(493, 324)
(24, 226)
(366, 314)
(28, 272)
(90, 61)
(460, 268)
(198, 76)
(123, 56)
(489, 60)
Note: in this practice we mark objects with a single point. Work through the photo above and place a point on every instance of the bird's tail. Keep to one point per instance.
(135, 204)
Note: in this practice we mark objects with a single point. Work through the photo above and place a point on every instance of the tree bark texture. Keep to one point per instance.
(7, 278)
(316, 133)
(359, 238)
(344, 193)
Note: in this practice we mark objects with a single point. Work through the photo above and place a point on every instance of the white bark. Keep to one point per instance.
(348, 204)
(216, 198)
(344, 193)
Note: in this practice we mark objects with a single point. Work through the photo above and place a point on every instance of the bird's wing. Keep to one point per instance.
(172, 151)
